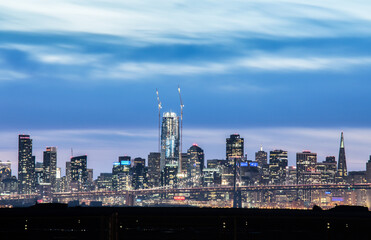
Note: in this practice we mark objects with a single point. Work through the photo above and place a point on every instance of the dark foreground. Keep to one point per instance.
(60, 222)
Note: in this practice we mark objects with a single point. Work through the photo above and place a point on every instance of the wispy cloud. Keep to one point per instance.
(9, 75)
(138, 70)
(56, 54)
(178, 20)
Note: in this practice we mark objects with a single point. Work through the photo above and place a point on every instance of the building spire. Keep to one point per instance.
(261, 147)
(342, 140)
(342, 164)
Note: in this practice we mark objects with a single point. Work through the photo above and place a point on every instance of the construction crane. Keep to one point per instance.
(181, 131)
(159, 121)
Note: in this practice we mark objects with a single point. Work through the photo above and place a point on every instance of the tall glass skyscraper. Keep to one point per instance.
(342, 164)
(196, 161)
(169, 148)
(50, 166)
(26, 165)
(234, 148)
(79, 173)
(169, 140)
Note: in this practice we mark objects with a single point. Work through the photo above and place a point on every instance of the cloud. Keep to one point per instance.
(189, 21)
(56, 54)
(8, 75)
(274, 63)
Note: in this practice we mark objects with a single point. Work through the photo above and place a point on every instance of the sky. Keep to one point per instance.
(284, 74)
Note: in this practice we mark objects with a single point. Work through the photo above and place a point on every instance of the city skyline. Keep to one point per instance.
(250, 156)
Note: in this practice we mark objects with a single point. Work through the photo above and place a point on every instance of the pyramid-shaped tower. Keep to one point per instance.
(342, 164)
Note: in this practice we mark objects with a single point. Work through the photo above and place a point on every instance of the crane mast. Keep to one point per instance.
(159, 121)
(181, 131)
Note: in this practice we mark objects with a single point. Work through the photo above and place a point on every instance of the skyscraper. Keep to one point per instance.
(196, 161)
(50, 166)
(305, 165)
(277, 166)
(261, 157)
(169, 148)
(234, 148)
(234, 152)
(342, 164)
(79, 172)
(26, 165)
(368, 171)
(154, 170)
(5, 170)
(121, 174)
(169, 140)
(138, 173)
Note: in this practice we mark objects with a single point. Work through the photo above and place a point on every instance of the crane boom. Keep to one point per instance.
(181, 130)
(159, 121)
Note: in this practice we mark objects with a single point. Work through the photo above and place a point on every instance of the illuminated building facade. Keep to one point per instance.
(50, 166)
(261, 157)
(154, 169)
(196, 161)
(139, 174)
(79, 173)
(305, 162)
(277, 166)
(327, 170)
(342, 164)
(169, 162)
(368, 171)
(121, 174)
(5, 170)
(104, 181)
(26, 165)
(234, 148)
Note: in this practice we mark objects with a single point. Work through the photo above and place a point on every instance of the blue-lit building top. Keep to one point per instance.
(169, 140)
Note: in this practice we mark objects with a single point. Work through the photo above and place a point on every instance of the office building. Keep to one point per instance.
(342, 164)
(234, 148)
(39, 173)
(79, 173)
(104, 182)
(368, 171)
(261, 157)
(278, 161)
(196, 161)
(50, 166)
(5, 170)
(305, 163)
(121, 174)
(154, 170)
(327, 169)
(138, 174)
(26, 165)
(169, 148)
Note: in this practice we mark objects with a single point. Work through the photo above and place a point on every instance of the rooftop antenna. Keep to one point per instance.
(159, 121)
(181, 130)
(71, 152)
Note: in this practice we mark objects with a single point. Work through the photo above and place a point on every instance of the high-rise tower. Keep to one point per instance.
(26, 165)
(50, 165)
(169, 140)
(169, 148)
(196, 161)
(79, 172)
(342, 164)
(234, 148)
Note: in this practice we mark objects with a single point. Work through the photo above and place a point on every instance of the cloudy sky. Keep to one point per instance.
(284, 74)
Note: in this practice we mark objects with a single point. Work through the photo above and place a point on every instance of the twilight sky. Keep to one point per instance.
(285, 74)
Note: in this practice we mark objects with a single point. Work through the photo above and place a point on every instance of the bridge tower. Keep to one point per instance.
(237, 195)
